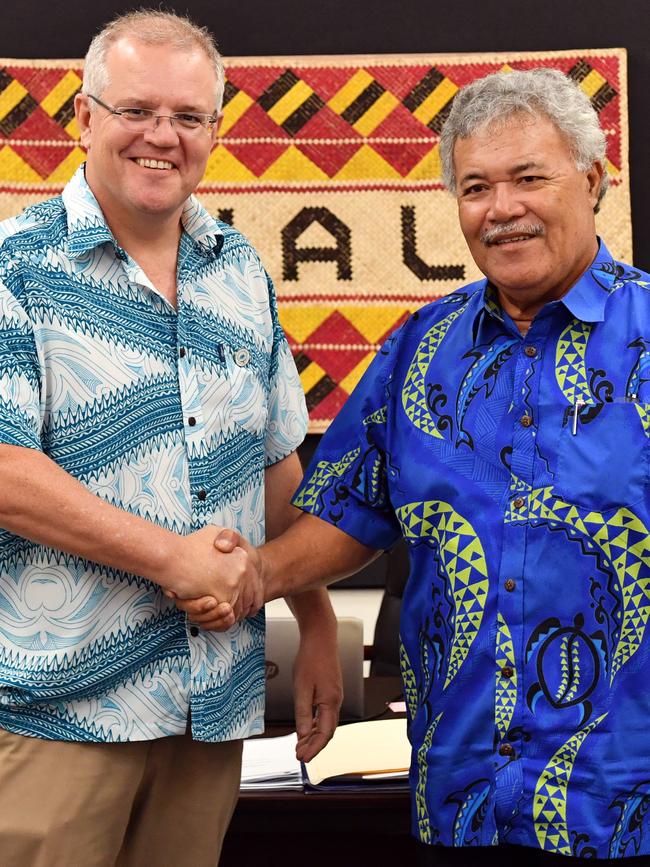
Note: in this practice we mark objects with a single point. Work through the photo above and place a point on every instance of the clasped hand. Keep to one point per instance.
(221, 582)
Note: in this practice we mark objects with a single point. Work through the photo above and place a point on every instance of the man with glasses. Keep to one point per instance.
(147, 394)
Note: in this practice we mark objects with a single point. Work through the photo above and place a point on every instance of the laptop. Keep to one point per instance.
(282, 639)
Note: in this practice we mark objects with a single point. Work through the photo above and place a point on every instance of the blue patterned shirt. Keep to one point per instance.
(171, 414)
(516, 469)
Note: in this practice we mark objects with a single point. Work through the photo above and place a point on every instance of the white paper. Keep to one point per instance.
(270, 763)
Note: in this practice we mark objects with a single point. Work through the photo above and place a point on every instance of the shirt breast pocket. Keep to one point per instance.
(248, 393)
(603, 460)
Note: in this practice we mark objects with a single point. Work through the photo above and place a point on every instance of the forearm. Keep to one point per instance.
(313, 611)
(309, 554)
(41, 502)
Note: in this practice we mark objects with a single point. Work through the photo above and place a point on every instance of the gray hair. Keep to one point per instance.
(492, 100)
(152, 27)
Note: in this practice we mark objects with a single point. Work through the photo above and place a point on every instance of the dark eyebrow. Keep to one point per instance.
(515, 170)
(472, 176)
(524, 167)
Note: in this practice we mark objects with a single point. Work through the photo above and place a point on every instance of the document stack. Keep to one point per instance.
(374, 754)
(363, 755)
(271, 763)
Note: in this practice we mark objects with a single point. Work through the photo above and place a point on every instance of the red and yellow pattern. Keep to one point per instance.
(330, 165)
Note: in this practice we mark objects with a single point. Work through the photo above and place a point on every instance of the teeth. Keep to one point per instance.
(512, 240)
(154, 164)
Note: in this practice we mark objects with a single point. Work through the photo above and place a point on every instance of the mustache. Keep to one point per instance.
(490, 236)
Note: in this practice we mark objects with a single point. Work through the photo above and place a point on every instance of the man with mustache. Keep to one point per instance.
(147, 393)
(503, 432)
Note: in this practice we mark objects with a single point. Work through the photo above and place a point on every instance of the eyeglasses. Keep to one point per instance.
(146, 118)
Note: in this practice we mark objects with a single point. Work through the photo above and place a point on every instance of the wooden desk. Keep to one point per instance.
(324, 829)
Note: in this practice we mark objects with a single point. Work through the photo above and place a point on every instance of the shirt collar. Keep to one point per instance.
(585, 300)
(87, 227)
(202, 227)
(86, 224)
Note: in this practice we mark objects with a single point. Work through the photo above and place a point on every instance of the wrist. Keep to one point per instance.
(268, 576)
(169, 567)
(314, 613)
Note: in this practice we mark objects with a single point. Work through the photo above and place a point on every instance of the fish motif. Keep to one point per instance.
(463, 560)
(481, 376)
(414, 396)
(470, 815)
(550, 801)
(424, 827)
(506, 687)
(628, 833)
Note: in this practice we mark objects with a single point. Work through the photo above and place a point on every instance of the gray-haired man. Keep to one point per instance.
(504, 433)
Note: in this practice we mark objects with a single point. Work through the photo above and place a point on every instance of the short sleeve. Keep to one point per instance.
(346, 483)
(20, 418)
(287, 412)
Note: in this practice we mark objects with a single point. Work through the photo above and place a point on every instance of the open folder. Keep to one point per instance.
(360, 754)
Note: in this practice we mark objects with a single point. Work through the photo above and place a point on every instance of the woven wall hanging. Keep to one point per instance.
(330, 166)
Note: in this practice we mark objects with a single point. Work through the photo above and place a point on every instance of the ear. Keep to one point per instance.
(214, 130)
(594, 177)
(84, 115)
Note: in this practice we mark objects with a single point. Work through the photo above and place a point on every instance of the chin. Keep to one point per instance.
(157, 206)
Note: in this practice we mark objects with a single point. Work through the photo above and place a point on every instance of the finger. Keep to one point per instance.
(219, 624)
(311, 746)
(305, 717)
(323, 731)
(169, 594)
(196, 608)
(222, 611)
(226, 541)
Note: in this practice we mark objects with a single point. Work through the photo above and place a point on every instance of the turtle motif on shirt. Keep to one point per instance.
(619, 540)
(569, 664)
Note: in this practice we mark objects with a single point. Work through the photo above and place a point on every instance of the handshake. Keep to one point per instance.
(215, 578)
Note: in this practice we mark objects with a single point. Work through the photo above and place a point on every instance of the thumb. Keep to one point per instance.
(226, 541)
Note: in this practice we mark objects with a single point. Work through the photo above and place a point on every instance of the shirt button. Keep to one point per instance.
(194, 631)
(526, 421)
(531, 351)
(506, 750)
(507, 672)
(518, 502)
(510, 584)
(181, 352)
(191, 421)
(242, 357)
(201, 495)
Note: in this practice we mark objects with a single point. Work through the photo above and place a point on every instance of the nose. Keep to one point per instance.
(162, 132)
(506, 203)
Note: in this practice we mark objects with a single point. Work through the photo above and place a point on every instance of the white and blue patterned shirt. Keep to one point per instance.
(171, 414)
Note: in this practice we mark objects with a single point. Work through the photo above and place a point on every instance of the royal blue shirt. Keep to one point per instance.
(516, 469)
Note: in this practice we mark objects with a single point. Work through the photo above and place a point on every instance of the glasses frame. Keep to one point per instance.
(206, 121)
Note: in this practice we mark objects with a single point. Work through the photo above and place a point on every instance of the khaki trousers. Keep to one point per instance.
(161, 803)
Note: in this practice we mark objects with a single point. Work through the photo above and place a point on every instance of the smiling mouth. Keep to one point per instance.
(511, 233)
(153, 164)
(498, 242)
